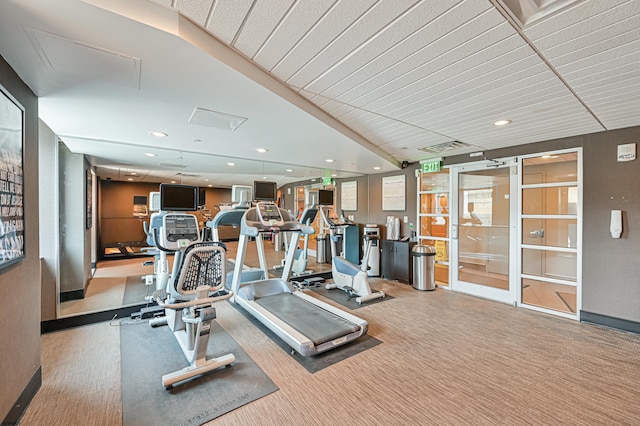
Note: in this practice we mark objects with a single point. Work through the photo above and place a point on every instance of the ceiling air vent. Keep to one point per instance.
(445, 146)
(528, 12)
(167, 164)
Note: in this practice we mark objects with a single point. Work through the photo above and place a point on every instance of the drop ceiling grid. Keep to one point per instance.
(424, 60)
(478, 92)
(601, 39)
(479, 89)
(259, 24)
(519, 132)
(558, 111)
(196, 10)
(356, 77)
(396, 37)
(322, 35)
(602, 87)
(570, 20)
(227, 18)
(421, 82)
(293, 28)
(365, 30)
(494, 108)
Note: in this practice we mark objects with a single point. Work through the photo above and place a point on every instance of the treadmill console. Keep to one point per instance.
(269, 214)
(179, 230)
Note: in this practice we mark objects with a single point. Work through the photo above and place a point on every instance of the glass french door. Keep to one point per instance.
(483, 219)
(551, 192)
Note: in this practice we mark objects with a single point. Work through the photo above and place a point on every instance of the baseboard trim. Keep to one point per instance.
(612, 322)
(90, 318)
(25, 398)
(65, 296)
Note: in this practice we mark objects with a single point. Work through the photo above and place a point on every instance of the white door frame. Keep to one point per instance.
(506, 296)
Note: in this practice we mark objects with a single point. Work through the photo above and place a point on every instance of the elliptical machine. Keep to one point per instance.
(346, 276)
(197, 278)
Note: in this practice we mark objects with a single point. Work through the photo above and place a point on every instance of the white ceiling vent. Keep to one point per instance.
(167, 164)
(528, 12)
(445, 146)
(219, 120)
(85, 61)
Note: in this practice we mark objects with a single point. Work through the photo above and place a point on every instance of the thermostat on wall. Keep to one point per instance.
(627, 152)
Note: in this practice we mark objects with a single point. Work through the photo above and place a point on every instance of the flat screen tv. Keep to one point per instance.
(264, 191)
(325, 197)
(178, 198)
(139, 200)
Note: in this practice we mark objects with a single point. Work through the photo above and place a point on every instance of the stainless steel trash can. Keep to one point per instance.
(321, 248)
(424, 267)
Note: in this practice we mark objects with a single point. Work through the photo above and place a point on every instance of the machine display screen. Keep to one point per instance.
(178, 198)
(269, 214)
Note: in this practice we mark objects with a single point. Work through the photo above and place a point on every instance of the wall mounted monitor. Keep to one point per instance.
(139, 200)
(325, 197)
(265, 191)
(178, 198)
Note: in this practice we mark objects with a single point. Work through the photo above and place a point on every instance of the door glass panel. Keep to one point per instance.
(442, 259)
(558, 297)
(550, 169)
(483, 232)
(550, 232)
(435, 181)
(550, 264)
(550, 201)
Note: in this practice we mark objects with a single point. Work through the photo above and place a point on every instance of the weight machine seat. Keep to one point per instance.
(345, 267)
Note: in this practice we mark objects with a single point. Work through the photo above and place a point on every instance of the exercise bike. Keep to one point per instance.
(196, 282)
(346, 276)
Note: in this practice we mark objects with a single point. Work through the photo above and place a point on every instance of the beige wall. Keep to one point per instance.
(20, 282)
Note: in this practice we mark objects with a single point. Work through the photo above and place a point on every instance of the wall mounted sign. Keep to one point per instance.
(349, 196)
(11, 181)
(393, 193)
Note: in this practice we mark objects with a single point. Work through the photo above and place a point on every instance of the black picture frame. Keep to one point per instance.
(12, 223)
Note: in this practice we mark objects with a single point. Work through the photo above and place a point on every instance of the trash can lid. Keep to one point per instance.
(419, 250)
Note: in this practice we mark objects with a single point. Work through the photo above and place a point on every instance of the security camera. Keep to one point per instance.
(405, 164)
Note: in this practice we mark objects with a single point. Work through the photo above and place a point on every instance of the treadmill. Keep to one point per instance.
(309, 325)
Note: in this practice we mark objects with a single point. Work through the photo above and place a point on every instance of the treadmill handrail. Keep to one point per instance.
(251, 227)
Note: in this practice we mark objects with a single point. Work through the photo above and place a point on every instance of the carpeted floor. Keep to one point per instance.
(148, 353)
(135, 291)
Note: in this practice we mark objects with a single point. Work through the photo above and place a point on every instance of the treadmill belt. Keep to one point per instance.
(313, 322)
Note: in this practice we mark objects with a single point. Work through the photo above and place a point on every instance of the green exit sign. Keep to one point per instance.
(431, 166)
(327, 181)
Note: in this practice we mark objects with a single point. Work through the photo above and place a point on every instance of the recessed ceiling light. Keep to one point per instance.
(502, 122)
(159, 134)
(329, 160)
(133, 173)
(173, 181)
(264, 177)
(333, 175)
(130, 179)
(376, 168)
(289, 170)
(149, 154)
(209, 185)
(231, 164)
(262, 150)
(206, 180)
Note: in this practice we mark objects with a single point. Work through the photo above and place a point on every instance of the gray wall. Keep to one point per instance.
(48, 168)
(75, 239)
(611, 267)
(20, 282)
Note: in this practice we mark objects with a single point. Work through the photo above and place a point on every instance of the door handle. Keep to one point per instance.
(454, 231)
(538, 233)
